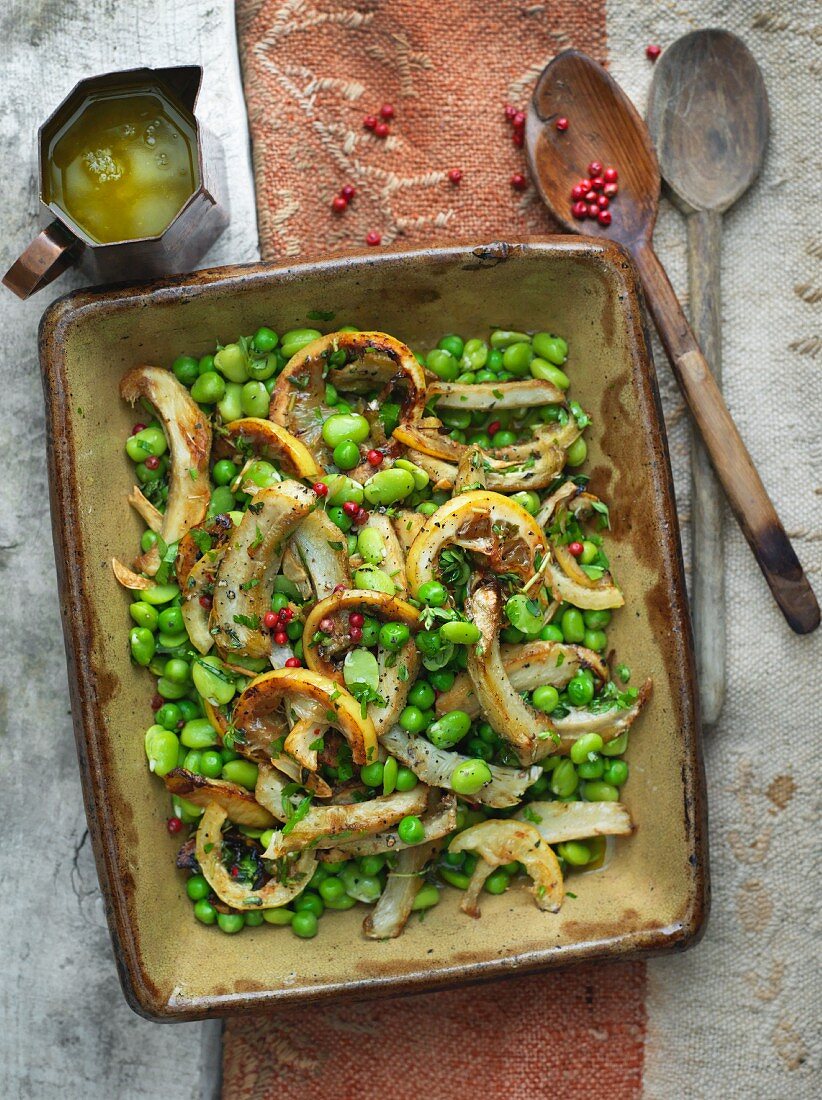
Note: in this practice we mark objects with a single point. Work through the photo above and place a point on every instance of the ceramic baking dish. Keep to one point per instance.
(652, 895)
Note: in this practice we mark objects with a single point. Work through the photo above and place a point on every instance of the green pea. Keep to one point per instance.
(162, 750)
(341, 489)
(309, 902)
(371, 546)
(517, 359)
(585, 745)
(209, 388)
(213, 680)
(144, 615)
(581, 688)
(455, 418)
(177, 670)
(460, 633)
(478, 748)
(527, 500)
(577, 452)
(448, 730)
(198, 733)
(503, 438)
(228, 754)
(331, 889)
(205, 912)
(486, 733)
(230, 923)
(433, 594)
(142, 645)
(573, 626)
(197, 887)
(365, 888)
(564, 779)
(339, 518)
(574, 852)
(254, 399)
(421, 478)
(280, 917)
(279, 601)
(345, 902)
(443, 364)
(230, 406)
(615, 773)
(394, 636)
(497, 882)
(390, 772)
(370, 631)
(205, 363)
(412, 720)
(470, 777)
(599, 792)
(169, 716)
(441, 679)
(296, 339)
(406, 779)
(345, 428)
(211, 764)
(455, 878)
(411, 830)
(552, 348)
(265, 340)
(596, 640)
(253, 918)
(596, 620)
(374, 580)
(371, 774)
(189, 709)
(185, 369)
(388, 486)
(503, 338)
(525, 614)
(149, 441)
(429, 642)
(485, 376)
(453, 344)
(243, 772)
(422, 695)
(545, 698)
(170, 620)
(232, 362)
(346, 455)
(191, 762)
(148, 540)
(546, 371)
(589, 552)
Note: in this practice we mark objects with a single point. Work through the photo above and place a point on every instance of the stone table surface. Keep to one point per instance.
(65, 1028)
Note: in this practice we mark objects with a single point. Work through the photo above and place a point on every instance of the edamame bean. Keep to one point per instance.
(589, 552)
(213, 680)
(564, 779)
(191, 762)
(421, 478)
(574, 852)
(371, 546)
(365, 888)
(142, 645)
(577, 452)
(162, 749)
(427, 897)
(595, 640)
(550, 347)
(168, 689)
(232, 362)
(525, 614)
(470, 777)
(390, 770)
(592, 768)
(388, 486)
(474, 355)
(198, 733)
(360, 667)
(345, 427)
(503, 338)
(448, 730)
(374, 580)
(341, 489)
(339, 518)
(253, 918)
(208, 389)
(596, 620)
(460, 633)
(584, 746)
(296, 339)
(230, 406)
(497, 882)
(243, 772)
(280, 917)
(455, 418)
(262, 473)
(541, 368)
(573, 626)
(551, 633)
(263, 370)
(254, 399)
(393, 636)
(144, 615)
(170, 620)
(615, 773)
(597, 791)
(517, 359)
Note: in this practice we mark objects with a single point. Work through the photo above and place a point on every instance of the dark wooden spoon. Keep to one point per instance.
(708, 117)
(604, 126)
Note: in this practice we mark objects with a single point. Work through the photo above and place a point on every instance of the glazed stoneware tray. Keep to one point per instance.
(652, 894)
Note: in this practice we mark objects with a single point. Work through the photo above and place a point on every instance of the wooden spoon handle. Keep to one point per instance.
(707, 552)
(746, 494)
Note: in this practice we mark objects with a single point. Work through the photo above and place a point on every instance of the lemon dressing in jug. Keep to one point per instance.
(124, 165)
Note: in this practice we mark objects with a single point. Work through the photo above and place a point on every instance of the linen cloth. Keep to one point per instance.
(736, 1016)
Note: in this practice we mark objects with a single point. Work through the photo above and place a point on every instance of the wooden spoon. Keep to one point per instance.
(708, 117)
(604, 126)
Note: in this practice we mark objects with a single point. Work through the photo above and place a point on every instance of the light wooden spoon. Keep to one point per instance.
(604, 126)
(708, 116)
